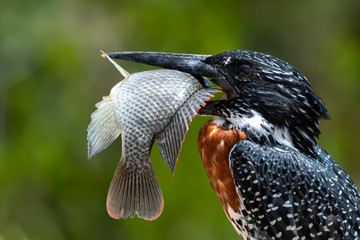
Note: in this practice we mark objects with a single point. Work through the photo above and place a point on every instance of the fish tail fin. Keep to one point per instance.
(103, 128)
(134, 192)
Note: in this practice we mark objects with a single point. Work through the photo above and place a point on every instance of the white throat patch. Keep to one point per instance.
(259, 126)
(256, 123)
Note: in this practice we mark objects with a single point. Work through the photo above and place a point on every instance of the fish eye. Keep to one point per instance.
(244, 69)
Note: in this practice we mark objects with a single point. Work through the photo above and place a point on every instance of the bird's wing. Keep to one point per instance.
(288, 194)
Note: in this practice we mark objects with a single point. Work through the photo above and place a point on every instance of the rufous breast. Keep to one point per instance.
(215, 143)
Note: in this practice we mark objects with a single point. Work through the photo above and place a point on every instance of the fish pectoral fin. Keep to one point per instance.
(170, 140)
(135, 192)
(103, 128)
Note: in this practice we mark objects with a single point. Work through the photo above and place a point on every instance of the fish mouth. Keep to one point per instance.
(194, 64)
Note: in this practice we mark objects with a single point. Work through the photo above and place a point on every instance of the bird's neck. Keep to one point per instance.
(268, 124)
(262, 131)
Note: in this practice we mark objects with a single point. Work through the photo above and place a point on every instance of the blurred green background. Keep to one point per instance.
(51, 75)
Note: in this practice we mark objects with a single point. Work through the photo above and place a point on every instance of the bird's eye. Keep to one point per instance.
(244, 70)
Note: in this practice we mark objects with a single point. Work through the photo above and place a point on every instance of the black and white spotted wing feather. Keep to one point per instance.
(288, 195)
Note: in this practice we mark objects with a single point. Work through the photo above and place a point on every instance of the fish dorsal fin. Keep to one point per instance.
(103, 128)
(170, 140)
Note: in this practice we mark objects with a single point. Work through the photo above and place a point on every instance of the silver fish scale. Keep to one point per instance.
(139, 117)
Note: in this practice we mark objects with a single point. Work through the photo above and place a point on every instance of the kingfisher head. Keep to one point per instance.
(264, 96)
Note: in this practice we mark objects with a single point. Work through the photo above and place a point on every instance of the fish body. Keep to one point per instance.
(146, 106)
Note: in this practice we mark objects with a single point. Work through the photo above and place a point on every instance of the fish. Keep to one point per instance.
(148, 106)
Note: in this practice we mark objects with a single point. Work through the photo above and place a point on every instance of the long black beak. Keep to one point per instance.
(189, 63)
